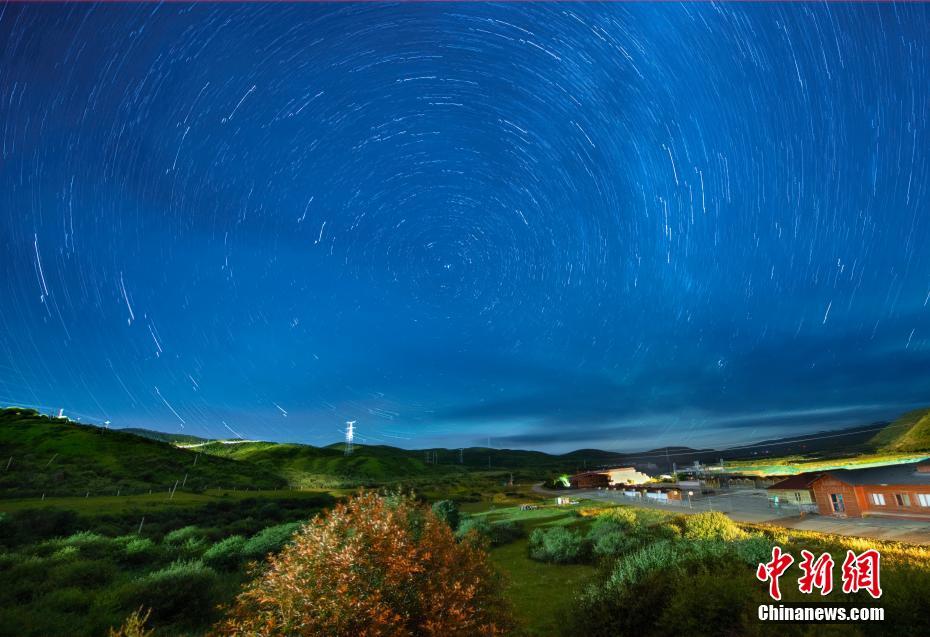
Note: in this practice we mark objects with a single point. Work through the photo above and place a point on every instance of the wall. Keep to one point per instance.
(828, 484)
(787, 496)
(891, 506)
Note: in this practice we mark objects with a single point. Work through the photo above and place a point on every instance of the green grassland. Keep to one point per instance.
(910, 432)
(55, 457)
(790, 465)
(907, 439)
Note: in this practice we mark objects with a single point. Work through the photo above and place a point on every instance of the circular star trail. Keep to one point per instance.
(554, 225)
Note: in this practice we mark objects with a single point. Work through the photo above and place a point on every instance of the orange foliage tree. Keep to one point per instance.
(373, 567)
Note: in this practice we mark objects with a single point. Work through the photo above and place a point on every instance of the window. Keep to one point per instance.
(837, 500)
(924, 499)
(878, 499)
(903, 499)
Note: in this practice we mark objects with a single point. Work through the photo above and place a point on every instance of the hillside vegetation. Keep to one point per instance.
(910, 432)
(50, 456)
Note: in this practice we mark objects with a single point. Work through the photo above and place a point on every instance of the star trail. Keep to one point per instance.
(539, 225)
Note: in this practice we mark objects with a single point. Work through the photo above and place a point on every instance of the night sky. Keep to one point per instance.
(545, 226)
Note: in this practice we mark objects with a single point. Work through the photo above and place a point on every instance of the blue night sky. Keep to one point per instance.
(549, 225)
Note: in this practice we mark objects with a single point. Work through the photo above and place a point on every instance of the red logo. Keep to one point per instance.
(859, 572)
(771, 571)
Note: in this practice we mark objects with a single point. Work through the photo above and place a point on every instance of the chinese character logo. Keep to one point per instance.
(817, 574)
(771, 571)
(860, 572)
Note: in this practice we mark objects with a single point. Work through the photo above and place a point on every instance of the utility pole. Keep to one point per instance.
(350, 436)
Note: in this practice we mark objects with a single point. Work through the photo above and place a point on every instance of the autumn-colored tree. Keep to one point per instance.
(373, 567)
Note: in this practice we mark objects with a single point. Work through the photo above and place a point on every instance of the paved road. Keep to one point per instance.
(752, 505)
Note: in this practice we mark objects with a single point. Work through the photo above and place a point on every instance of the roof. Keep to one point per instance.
(588, 473)
(888, 474)
(800, 482)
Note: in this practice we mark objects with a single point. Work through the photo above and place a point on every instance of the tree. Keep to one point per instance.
(373, 567)
(448, 512)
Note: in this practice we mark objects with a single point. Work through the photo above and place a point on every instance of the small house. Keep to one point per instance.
(795, 491)
(901, 490)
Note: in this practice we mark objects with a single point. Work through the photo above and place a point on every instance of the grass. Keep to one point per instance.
(910, 432)
(539, 592)
(801, 464)
(99, 505)
(56, 457)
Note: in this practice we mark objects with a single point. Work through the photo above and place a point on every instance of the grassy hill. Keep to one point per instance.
(162, 436)
(51, 456)
(910, 432)
(309, 466)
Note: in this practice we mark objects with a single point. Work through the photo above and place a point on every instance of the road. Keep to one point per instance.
(752, 505)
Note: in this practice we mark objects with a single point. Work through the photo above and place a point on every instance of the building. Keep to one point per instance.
(795, 491)
(625, 475)
(894, 490)
(607, 477)
(589, 480)
(657, 492)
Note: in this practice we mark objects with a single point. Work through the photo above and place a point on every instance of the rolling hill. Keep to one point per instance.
(161, 436)
(51, 456)
(910, 432)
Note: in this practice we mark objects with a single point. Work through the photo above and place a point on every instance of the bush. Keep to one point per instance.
(506, 532)
(82, 574)
(226, 554)
(138, 551)
(711, 525)
(557, 545)
(32, 525)
(479, 525)
(69, 600)
(181, 592)
(496, 534)
(183, 535)
(270, 540)
(363, 570)
(89, 545)
(448, 512)
(133, 626)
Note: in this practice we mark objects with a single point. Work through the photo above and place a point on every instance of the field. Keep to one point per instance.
(790, 465)
(96, 523)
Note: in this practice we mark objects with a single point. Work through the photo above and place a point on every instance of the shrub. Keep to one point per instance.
(362, 570)
(182, 591)
(82, 573)
(711, 525)
(269, 540)
(754, 550)
(138, 551)
(134, 626)
(480, 529)
(448, 512)
(506, 532)
(32, 525)
(474, 525)
(182, 535)
(557, 545)
(89, 545)
(69, 600)
(623, 516)
(226, 554)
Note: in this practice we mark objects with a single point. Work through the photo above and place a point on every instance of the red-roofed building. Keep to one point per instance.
(901, 490)
(796, 490)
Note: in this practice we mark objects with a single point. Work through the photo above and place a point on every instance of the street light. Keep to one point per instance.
(690, 493)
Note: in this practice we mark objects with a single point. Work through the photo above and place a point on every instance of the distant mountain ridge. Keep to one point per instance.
(56, 456)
